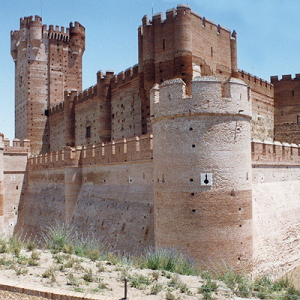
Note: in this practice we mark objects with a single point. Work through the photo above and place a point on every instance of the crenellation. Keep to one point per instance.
(287, 77)
(267, 152)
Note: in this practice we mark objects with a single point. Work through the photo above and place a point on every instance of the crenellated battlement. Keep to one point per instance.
(56, 33)
(86, 95)
(270, 153)
(209, 96)
(57, 108)
(16, 147)
(125, 77)
(256, 83)
(182, 11)
(66, 157)
(285, 78)
(121, 151)
(28, 22)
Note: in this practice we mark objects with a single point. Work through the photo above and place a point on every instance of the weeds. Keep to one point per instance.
(88, 276)
(170, 260)
(139, 281)
(31, 245)
(72, 280)
(156, 288)
(58, 236)
(208, 287)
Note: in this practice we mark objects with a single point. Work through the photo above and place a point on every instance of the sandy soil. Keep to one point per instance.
(70, 272)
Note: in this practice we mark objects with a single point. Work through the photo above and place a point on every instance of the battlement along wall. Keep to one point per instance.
(13, 162)
(105, 190)
(276, 209)
(262, 94)
(287, 112)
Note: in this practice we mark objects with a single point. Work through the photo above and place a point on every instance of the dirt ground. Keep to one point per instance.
(73, 273)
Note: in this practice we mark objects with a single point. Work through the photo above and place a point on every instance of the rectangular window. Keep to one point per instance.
(88, 131)
(298, 119)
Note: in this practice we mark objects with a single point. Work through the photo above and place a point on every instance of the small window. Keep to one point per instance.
(298, 119)
(293, 93)
(88, 131)
(211, 51)
(164, 44)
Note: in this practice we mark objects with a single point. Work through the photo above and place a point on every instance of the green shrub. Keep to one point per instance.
(72, 280)
(139, 281)
(169, 296)
(31, 245)
(15, 245)
(88, 276)
(170, 260)
(3, 246)
(69, 248)
(156, 288)
(94, 254)
(32, 262)
(57, 236)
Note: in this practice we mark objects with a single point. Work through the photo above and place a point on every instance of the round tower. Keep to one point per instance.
(202, 169)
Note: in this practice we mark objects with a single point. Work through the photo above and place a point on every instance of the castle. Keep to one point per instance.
(182, 150)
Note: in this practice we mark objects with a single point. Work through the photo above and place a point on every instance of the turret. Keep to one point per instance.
(48, 62)
(77, 38)
(202, 169)
(36, 33)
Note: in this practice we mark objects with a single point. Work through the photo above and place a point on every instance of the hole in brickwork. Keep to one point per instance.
(193, 210)
(191, 128)
(193, 146)
(240, 225)
(191, 179)
(192, 194)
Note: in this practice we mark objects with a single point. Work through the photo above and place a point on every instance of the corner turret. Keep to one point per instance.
(202, 169)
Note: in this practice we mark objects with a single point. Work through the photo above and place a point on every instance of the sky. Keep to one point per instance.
(268, 35)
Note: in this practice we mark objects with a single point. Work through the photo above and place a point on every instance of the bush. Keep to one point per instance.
(156, 288)
(88, 276)
(170, 260)
(58, 236)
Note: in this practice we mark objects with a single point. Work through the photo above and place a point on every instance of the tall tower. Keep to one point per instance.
(184, 45)
(202, 169)
(47, 62)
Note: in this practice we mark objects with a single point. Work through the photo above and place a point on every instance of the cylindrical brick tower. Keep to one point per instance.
(202, 169)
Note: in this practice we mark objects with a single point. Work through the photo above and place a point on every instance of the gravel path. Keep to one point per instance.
(17, 296)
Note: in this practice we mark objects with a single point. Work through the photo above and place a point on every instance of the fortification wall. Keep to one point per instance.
(13, 172)
(57, 127)
(276, 209)
(262, 96)
(105, 190)
(287, 108)
(126, 111)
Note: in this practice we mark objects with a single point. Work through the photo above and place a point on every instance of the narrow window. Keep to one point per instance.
(211, 51)
(88, 131)
(293, 93)
(164, 44)
(298, 119)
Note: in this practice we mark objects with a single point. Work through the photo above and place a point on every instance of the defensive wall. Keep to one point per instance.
(105, 190)
(287, 112)
(111, 189)
(13, 178)
(197, 183)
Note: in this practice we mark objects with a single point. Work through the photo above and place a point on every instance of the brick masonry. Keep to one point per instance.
(157, 155)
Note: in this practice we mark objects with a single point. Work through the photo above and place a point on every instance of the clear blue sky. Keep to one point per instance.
(268, 35)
